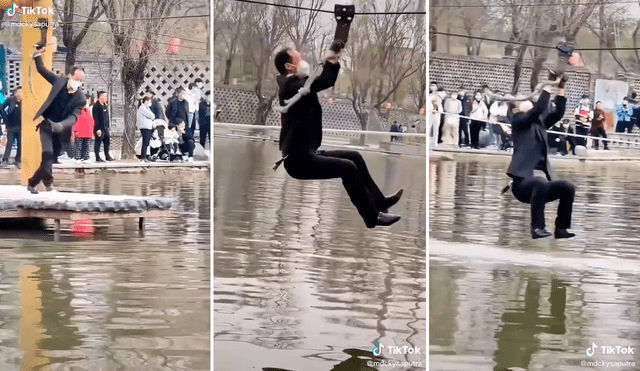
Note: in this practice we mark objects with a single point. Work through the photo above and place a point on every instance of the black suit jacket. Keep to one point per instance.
(530, 141)
(204, 113)
(74, 106)
(100, 118)
(301, 130)
(177, 109)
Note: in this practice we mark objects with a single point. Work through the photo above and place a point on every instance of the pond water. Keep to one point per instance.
(500, 300)
(299, 282)
(107, 297)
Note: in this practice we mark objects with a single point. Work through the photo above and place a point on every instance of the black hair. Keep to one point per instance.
(15, 91)
(178, 90)
(208, 92)
(198, 80)
(192, 85)
(73, 69)
(598, 102)
(433, 83)
(585, 96)
(100, 93)
(282, 57)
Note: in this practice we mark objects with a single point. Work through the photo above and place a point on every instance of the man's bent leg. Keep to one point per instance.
(564, 191)
(373, 191)
(533, 191)
(325, 167)
(45, 170)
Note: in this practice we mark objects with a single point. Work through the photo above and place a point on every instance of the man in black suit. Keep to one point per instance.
(301, 135)
(13, 122)
(101, 127)
(529, 124)
(204, 113)
(178, 108)
(156, 106)
(60, 112)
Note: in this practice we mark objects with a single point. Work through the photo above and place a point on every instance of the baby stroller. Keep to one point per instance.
(164, 152)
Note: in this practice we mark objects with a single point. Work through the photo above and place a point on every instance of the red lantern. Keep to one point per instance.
(329, 100)
(234, 82)
(174, 45)
(387, 106)
(574, 60)
(422, 111)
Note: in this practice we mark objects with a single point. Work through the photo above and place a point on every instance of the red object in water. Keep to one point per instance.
(83, 227)
(174, 45)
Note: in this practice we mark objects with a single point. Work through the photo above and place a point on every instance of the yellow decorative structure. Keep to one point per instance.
(35, 93)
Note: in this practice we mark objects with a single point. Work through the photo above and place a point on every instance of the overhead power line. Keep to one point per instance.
(129, 27)
(159, 43)
(522, 43)
(327, 11)
(530, 5)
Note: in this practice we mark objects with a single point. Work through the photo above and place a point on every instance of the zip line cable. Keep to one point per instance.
(522, 43)
(129, 27)
(328, 11)
(530, 5)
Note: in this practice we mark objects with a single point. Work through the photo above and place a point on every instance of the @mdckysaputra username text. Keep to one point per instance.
(29, 24)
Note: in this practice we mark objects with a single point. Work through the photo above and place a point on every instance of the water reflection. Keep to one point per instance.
(111, 300)
(501, 301)
(299, 282)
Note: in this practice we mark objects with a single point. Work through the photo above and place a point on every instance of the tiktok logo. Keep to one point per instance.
(11, 12)
(591, 350)
(377, 351)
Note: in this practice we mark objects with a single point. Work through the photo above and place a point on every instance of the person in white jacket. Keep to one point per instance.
(479, 113)
(450, 129)
(498, 116)
(145, 125)
(434, 117)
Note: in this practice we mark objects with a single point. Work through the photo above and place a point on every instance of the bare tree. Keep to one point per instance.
(263, 33)
(606, 19)
(382, 54)
(135, 49)
(302, 26)
(228, 19)
(67, 9)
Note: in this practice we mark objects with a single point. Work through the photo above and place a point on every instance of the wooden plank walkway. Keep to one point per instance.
(17, 202)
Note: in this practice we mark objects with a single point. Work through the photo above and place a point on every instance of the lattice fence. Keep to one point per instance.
(472, 73)
(239, 106)
(162, 77)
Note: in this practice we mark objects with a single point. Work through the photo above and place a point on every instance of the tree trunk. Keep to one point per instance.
(227, 71)
(601, 22)
(433, 38)
(70, 60)
(130, 116)
(448, 38)
(635, 41)
(517, 71)
(539, 58)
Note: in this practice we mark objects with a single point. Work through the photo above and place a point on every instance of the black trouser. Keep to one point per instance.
(463, 129)
(11, 136)
(57, 146)
(106, 139)
(82, 148)
(146, 138)
(560, 145)
(187, 147)
(348, 165)
(440, 128)
(538, 191)
(581, 130)
(205, 130)
(600, 132)
(44, 173)
(475, 128)
(624, 127)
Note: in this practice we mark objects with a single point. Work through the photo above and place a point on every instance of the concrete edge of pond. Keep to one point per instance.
(451, 154)
(122, 167)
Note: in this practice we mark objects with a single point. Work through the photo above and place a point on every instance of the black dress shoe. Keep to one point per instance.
(98, 159)
(386, 219)
(390, 201)
(562, 233)
(33, 190)
(539, 233)
(109, 158)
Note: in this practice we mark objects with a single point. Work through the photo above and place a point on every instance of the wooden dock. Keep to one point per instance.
(18, 203)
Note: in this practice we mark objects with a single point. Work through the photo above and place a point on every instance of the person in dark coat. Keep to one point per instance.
(156, 106)
(301, 136)
(60, 111)
(204, 118)
(178, 108)
(13, 112)
(467, 106)
(529, 124)
(597, 127)
(394, 129)
(101, 127)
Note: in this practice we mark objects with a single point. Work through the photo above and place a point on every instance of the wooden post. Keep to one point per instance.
(34, 94)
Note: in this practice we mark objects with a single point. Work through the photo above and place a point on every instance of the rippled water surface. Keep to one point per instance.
(500, 300)
(111, 298)
(300, 283)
